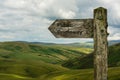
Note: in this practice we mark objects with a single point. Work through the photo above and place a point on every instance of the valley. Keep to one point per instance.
(29, 61)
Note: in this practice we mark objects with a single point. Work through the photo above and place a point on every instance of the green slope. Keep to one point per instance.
(87, 61)
(50, 54)
(25, 69)
(32, 70)
(84, 74)
(25, 61)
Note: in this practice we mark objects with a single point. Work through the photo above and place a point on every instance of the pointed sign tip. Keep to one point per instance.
(72, 28)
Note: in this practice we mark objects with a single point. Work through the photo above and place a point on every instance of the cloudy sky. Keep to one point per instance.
(28, 20)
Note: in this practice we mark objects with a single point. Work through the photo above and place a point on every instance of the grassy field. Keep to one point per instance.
(26, 69)
(87, 61)
(25, 61)
(37, 70)
(49, 54)
(83, 74)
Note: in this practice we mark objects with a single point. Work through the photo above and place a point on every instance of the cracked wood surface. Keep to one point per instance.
(100, 44)
(72, 28)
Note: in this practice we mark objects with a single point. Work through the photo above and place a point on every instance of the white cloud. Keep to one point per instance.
(113, 7)
(7, 37)
(15, 3)
(64, 14)
(29, 19)
(116, 36)
(114, 33)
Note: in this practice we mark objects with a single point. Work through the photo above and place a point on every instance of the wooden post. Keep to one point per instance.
(100, 44)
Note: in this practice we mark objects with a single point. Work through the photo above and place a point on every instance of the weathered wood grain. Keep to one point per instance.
(88, 28)
(72, 28)
(100, 44)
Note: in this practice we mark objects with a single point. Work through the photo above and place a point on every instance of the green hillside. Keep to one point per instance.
(83, 74)
(49, 54)
(26, 61)
(87, 61)
(32, 70)
(12, 69)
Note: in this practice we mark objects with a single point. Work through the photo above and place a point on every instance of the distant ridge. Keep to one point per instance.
(88, 44)
(54, 54)
(43, 43)
(87, 61)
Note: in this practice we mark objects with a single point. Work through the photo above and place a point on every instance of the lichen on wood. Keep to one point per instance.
(100, 44)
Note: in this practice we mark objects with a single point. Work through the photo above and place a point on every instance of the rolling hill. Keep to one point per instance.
(28, 61)
(87, 44)
(32, 70)
(50, 54)
(87, 61)
(13, 69)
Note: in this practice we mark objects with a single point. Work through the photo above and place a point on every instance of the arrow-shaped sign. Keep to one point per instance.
(72, 28)
(83, 28)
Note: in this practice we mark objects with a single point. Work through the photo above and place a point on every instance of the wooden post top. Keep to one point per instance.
(100, 14)
(100, 8)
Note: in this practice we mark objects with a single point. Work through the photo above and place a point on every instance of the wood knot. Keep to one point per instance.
(100, 17)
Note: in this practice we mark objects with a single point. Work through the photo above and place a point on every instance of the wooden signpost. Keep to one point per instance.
(100, 44)
(88, 28)
(72, 28)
